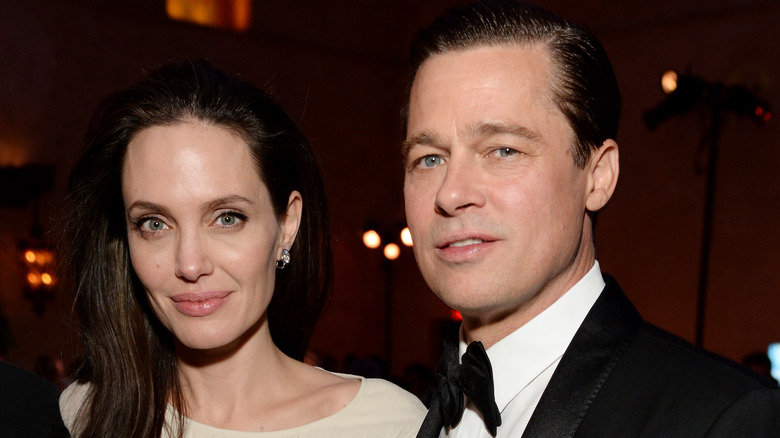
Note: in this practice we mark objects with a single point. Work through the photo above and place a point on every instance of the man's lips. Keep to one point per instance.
(464, 246)
(464, 239)
(465, 242)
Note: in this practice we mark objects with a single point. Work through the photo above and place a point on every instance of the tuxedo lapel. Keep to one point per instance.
(598, 344)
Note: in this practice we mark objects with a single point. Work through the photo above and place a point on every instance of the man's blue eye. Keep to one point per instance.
(506, 152)
(431, 161)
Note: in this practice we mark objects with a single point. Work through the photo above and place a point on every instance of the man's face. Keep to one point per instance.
(495, 204)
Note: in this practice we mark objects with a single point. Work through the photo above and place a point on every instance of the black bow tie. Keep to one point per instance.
(474, 378)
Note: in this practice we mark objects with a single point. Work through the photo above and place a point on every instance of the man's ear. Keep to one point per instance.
(603, 168)
(290, 222)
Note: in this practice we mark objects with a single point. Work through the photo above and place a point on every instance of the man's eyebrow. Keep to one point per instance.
(488, 129)
(420, 139)
(482, 129)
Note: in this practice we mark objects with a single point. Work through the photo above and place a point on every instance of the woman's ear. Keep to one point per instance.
(603, 170)
(290, 221)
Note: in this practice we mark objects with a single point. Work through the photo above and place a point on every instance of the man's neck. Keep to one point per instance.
(493, 328)
(490, 328)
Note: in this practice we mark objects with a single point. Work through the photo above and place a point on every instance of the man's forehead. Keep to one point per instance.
(497, 77)
(502, 66)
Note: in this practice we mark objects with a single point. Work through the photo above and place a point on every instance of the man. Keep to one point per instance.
(28, 405)
(509, 152)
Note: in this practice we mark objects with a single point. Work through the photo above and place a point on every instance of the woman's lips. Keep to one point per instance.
(200, 303)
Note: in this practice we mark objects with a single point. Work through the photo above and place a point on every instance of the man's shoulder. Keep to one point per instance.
(645, 381)
(664, 386)
(24, 387)
(656, 354)
(677, 359)
(28, 404)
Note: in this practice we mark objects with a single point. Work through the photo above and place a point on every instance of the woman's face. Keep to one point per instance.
(202, 232)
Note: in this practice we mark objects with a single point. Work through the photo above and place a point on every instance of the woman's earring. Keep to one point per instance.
(284, 261)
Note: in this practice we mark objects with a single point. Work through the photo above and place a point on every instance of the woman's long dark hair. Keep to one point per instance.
(129, 358)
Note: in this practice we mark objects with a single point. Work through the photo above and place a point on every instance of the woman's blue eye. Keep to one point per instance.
(431, 160)
(227, 219)
(154, 224)
(230, 219)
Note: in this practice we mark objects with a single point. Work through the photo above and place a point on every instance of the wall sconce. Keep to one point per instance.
(373, 236)
(19, 187)
(38, 272)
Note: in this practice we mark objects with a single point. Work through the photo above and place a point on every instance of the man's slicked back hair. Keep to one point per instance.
(583, 85)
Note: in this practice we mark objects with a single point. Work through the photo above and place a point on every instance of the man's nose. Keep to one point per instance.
(460, 189)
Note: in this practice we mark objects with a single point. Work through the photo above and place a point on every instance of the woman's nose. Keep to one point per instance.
(192, 258)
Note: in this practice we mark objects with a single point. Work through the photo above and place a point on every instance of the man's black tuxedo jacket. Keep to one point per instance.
(29, 405)
(622, 377)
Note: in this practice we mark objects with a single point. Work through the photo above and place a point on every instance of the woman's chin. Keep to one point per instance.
(195, 347)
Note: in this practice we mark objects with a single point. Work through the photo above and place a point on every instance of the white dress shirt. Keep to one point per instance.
(524, 361)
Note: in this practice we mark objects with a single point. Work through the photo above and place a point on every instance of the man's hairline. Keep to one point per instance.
(551, 91)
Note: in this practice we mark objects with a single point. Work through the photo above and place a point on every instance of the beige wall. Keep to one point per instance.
(339, 67)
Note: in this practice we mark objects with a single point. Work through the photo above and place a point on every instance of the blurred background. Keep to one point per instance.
(340, 68)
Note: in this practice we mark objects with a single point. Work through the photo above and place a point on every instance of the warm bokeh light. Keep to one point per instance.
(231, 14)
(669, 81)
(406, 236)
(14, 154)
(371, 239)
(33, 279)
(392, 251)
(38, 256)
(46, 279)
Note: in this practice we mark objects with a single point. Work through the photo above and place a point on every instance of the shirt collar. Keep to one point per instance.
(525, 353)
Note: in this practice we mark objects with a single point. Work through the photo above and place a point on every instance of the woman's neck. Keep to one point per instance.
(231, 384)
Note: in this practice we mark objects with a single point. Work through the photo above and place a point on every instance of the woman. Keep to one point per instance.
(197, 236)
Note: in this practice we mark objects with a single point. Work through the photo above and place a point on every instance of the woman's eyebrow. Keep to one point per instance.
(225, 200)
(146, 205)
(210, 205)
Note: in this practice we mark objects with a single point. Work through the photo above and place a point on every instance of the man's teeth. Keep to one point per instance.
(466, 242)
